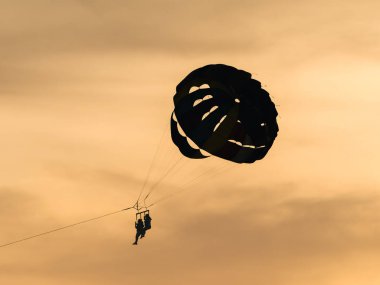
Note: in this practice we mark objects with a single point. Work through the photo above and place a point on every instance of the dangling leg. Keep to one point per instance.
(137, 237)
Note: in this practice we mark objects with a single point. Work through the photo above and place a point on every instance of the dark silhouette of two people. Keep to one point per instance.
(142, 227)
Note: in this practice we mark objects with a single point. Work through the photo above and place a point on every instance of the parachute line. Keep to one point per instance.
(162, 178)
(152, 163)
(192, 183)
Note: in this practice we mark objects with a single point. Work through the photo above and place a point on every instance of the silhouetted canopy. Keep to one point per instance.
(223, 111)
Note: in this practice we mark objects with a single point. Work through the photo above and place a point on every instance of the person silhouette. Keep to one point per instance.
(140, 230)
(147, 224)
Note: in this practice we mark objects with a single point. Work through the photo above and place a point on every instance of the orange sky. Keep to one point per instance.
(86, 92)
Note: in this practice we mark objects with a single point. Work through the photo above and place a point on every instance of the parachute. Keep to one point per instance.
(221, 111)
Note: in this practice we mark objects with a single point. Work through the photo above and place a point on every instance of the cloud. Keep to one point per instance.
(86, 87)
(45, 27)
(15, 202)
(20, 213)
(264, 239)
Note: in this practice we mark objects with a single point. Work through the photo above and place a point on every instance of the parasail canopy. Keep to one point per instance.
(220, 110)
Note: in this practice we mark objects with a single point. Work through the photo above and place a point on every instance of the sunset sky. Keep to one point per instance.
(86, 92)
